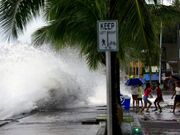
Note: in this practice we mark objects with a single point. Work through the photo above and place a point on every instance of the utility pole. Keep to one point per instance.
(160, 46)
(178, 46)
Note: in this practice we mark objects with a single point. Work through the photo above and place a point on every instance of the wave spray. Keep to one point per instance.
(33, 78)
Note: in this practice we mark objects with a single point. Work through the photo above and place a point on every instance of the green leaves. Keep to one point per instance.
(73, 23)
(14, 15)
(137, 31)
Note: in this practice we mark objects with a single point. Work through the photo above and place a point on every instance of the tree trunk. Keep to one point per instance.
(115, 87)
(115, 79)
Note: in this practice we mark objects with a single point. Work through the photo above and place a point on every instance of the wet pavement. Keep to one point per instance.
(154, 122)
(61, 122)
(82, 121)
(164, 123)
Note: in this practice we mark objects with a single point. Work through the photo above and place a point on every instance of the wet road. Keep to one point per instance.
(165, 123)
(161, 128)
(61, 122)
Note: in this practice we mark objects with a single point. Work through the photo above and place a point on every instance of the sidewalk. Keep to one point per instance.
(131, 124)
(75, 121)
(153, 123)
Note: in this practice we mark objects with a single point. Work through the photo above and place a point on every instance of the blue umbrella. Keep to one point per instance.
(135, 81)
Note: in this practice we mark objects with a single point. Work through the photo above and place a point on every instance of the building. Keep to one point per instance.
(170, 59)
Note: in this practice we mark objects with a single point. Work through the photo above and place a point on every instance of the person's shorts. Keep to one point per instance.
(134, 97)
(158, 99)
(177, 98)
(146, 100)
(139, 98)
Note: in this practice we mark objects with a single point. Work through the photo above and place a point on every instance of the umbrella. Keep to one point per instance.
(135, 81)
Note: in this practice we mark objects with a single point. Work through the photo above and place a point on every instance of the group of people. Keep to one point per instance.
(140, 95)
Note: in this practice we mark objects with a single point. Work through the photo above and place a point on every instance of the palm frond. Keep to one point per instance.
(14, 14)
(176, 3)
(74, 24)
(41, 36)
(165, 13)
(137, 28)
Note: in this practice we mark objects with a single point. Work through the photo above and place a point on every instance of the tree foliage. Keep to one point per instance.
(74, 23)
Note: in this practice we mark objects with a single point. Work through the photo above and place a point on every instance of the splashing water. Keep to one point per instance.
(42, 78)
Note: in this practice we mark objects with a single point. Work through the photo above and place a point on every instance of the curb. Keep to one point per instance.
(132, 127)
(102, 129)
(2, 123)
(15, 118)
(136, 126)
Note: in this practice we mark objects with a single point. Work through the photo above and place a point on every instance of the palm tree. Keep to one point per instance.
(73, 23)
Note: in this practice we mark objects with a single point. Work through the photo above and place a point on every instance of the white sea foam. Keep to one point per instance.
(40, 77)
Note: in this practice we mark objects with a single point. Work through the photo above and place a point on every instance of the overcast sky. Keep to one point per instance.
(165, 2)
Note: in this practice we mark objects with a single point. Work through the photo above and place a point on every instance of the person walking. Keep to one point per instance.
(159, 98)
(177, 95)
(147, 93)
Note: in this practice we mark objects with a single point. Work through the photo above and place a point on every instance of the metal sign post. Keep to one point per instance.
(109, 93)
(107, 42)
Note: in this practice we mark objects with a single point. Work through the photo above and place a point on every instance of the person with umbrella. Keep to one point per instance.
(134, 83)
(147, 93)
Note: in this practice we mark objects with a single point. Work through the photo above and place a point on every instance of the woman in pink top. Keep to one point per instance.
(147, 93)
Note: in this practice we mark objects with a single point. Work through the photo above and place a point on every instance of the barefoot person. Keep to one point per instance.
(159, 98)
(177, 95)
(147, 93)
